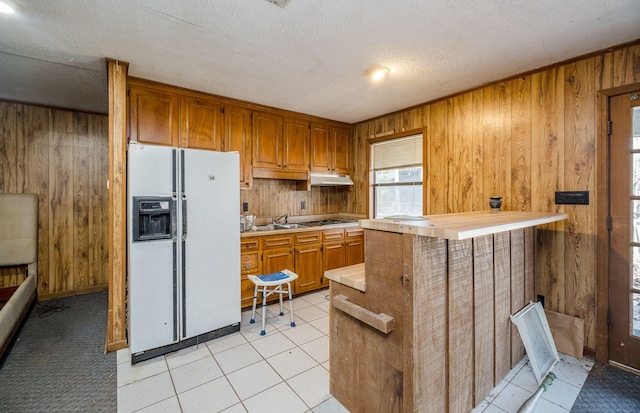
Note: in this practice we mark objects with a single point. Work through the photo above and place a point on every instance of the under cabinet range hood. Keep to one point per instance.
(329, 180)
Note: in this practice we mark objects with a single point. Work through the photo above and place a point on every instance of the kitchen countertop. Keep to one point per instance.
(247, 234)
(463, 225)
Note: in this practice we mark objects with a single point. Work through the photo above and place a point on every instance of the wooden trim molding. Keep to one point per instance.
(602, 212)
(116, 318)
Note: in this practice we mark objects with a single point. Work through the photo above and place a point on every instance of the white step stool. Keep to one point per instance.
(277, 279)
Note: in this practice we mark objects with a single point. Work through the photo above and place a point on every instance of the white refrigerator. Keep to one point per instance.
(183, 247)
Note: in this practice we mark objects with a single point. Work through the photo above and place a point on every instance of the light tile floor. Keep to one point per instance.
(288, 371)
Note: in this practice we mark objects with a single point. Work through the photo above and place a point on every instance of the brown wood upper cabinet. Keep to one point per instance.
(201, 124)
(329, 148)
(154, 115)
(160, 116)
(237, 137)
(279, 145)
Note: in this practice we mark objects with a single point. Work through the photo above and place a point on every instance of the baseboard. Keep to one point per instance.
(62, 294)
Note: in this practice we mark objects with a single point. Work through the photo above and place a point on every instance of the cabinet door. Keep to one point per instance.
(277, 259)
(246, 292)
(340, 138)
(321, 155)
(333, 257)
(153, 116)
(308, 262)
(295, 148)
(237, 132)
(354, 251)
(267, 140)
(201, 124)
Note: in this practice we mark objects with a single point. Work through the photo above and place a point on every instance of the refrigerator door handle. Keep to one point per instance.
(174, 218)
(184, 217)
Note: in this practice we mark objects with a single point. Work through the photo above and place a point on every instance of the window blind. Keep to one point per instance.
(397, 153)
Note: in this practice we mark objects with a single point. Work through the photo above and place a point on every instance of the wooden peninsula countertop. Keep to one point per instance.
(352, 276)
(463, 225)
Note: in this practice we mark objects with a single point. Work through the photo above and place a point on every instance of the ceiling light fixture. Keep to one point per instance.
(378, 72)
(7, 7)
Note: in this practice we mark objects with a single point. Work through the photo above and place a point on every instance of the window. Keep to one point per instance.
(396, 166)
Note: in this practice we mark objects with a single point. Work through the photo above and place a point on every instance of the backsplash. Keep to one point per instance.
(274, 197)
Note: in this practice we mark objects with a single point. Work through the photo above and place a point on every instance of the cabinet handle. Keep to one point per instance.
(381, 322)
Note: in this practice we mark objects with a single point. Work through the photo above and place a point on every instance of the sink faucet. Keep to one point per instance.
(276, 219)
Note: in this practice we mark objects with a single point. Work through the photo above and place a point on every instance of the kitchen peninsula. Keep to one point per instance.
(428, 329)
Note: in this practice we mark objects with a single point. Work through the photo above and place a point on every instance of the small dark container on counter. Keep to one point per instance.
(495, 202)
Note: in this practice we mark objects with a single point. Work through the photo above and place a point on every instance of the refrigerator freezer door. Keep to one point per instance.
(152, 280)
(211, 279)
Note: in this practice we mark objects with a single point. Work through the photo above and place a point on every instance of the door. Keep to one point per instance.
(237, 132)
(333, 257)
(308, 264)
(624, 253)
(277, 259)
(152, 276)
(354, 246)
(267, 140)
(340, 139)
(295, 145)
(320, 148)
(201, 124)
(153, 116)
(211, 262)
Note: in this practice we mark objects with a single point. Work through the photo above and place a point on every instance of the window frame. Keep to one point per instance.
(371, 181)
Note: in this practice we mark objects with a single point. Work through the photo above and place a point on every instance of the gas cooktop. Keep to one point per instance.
(333, 221)
(336, 221)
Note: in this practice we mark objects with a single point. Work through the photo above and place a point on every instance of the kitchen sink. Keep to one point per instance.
(290, 226)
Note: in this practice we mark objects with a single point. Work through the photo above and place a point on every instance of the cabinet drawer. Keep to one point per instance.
(249, 244)
(276, 241)
(353, 232)
(250, 262)
(333, 235)
(307, 237)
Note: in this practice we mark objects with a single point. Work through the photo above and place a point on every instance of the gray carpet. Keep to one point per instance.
(608, 390)
(57, 363)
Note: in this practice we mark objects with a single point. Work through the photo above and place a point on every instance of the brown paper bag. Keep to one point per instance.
(567, 332)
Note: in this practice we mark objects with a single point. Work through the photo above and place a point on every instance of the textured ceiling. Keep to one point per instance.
(309, 56)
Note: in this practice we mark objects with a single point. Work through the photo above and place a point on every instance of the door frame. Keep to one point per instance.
(602, 211)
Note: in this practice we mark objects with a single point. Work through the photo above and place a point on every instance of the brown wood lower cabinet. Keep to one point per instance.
(277, 259)
(308, 254)
(354, 246)
(250, 264)
(308, 261)
(333, 249)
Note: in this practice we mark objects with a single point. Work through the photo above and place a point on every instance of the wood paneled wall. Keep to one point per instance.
(62, 157)
(522, 139)
(274, 197)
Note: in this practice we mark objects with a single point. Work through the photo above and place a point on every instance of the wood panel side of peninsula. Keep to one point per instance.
(450, 299)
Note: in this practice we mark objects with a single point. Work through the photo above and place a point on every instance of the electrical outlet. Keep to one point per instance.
(303, 204)
(245, 206)
(541, 299)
